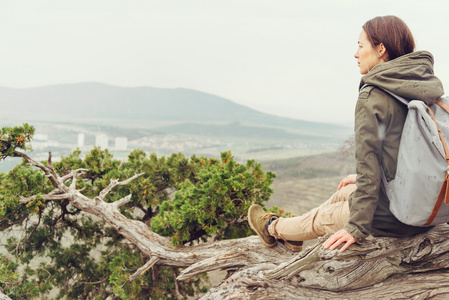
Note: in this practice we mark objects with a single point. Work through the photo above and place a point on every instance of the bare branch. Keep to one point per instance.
(233, 258)
(74, 179)
(50, 163)
(107, 189)
(123, 201)
(49, 172)
(46, 197)
(304, 260)
(73, 174)
(30, 160)
(144, 268)
(115, 183)
(177, 290)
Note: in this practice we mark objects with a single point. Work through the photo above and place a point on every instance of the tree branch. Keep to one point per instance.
(235, 258)
(144, 268)
(49, 172)
(46, 197)
(74, 173)
(123, 201)
(50, 163)
(178, 293)
(114, 183)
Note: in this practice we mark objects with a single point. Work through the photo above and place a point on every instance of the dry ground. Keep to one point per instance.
(305, 182)
(300, 195)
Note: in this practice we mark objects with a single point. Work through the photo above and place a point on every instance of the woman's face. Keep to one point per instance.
(367, 56)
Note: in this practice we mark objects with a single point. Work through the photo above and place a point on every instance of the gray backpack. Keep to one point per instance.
(421, 184)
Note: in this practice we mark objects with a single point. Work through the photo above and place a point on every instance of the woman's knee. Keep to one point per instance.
(344, 193)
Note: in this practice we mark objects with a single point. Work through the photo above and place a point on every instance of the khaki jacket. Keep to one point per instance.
(379, 119)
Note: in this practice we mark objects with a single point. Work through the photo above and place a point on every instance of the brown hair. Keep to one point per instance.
(393, 33)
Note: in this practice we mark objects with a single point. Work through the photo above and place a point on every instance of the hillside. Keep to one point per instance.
(96, 103)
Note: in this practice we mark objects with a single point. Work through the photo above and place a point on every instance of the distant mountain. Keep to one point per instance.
(167, 110)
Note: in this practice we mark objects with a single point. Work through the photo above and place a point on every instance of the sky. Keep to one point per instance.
(290, 58)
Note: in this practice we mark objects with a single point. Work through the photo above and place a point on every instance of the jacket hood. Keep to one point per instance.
(409, 76)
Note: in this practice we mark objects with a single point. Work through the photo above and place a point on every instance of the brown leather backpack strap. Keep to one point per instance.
(443, 194)
(444, 191)
(447, 191)
(446, 108)
(443, 105)
(446, 150)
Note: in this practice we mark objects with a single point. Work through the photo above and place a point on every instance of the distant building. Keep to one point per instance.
(101, 141)
(121, 143)
(80, 140)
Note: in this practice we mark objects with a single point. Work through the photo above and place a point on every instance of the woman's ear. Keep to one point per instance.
(382, 52)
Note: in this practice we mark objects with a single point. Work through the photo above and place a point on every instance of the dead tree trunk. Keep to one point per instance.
(384, 268)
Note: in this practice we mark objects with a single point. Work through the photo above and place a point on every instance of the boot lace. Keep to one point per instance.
(269, 216)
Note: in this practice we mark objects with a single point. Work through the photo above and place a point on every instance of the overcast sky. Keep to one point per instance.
(289, 58)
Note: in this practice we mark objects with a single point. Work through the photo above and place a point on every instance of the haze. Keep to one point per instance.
(288, 58)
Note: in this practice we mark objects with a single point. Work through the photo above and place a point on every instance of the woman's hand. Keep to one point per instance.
(337, 238)
(350, 179)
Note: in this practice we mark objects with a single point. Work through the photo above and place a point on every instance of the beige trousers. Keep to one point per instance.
(329, 217)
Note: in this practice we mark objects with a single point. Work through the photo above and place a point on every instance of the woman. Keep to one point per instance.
(360, 207)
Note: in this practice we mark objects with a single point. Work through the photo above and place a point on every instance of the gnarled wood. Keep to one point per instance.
(389, 268)
(382, 268)
(247, 284)
(369, 263)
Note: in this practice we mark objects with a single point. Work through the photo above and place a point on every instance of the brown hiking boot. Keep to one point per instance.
(257, 219)
(293, 245)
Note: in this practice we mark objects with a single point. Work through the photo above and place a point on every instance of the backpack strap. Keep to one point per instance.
(401, 99)
(444, 191)
(443, 105)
